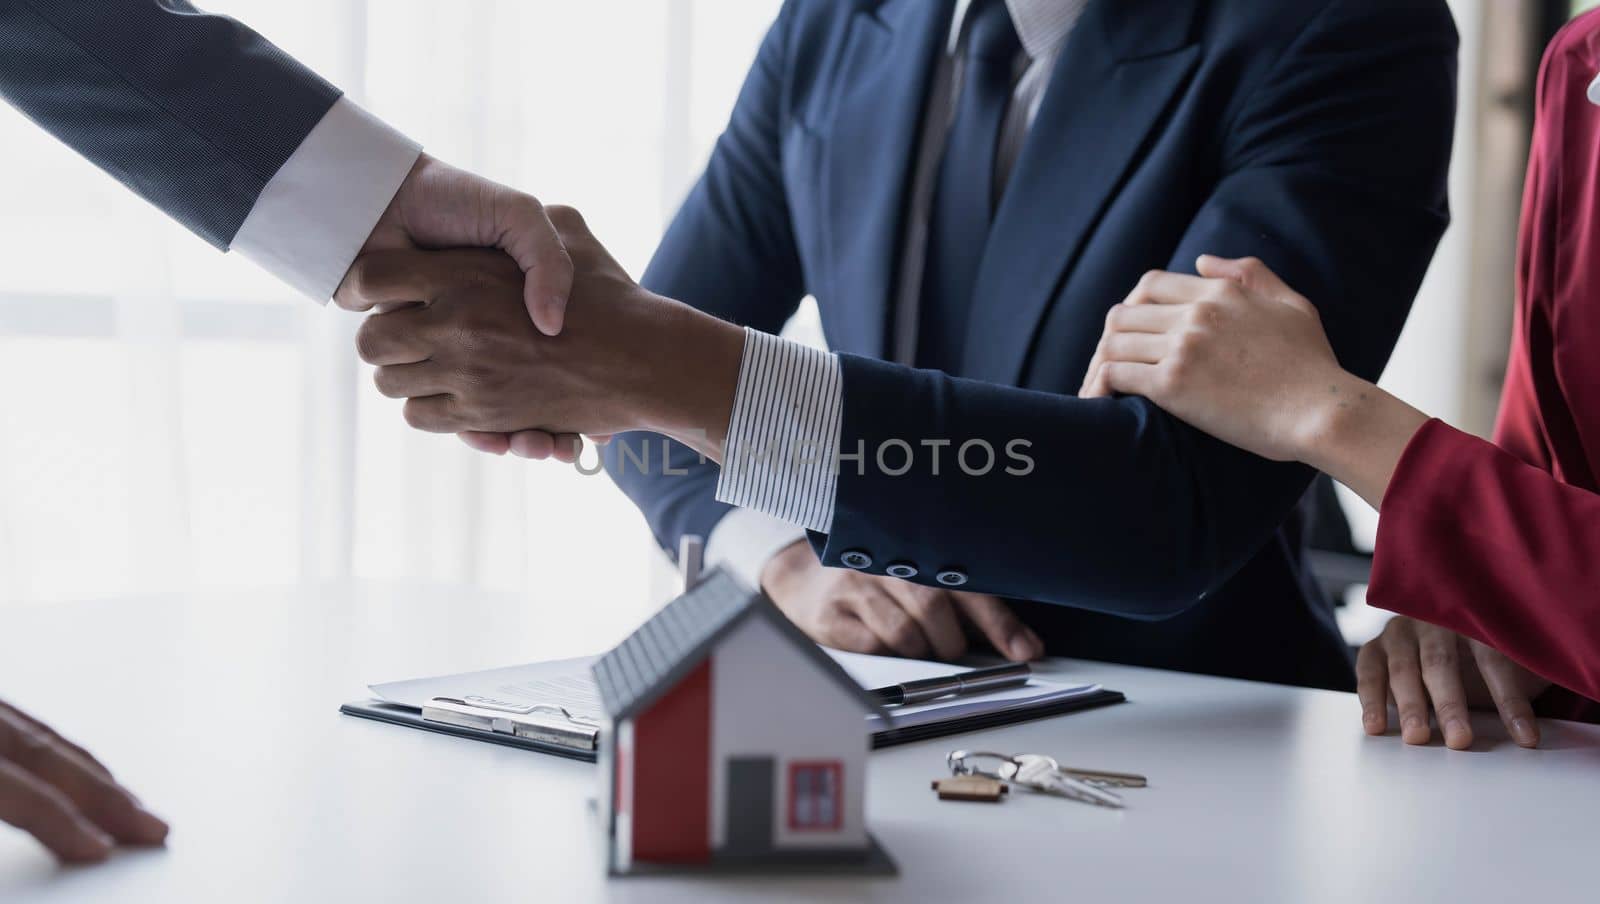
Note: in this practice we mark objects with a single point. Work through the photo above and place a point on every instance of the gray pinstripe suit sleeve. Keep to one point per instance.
(193, 111)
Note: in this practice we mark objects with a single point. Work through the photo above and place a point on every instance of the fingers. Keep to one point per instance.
(395, 337)
(1141, 348)
(1162, 287)
(405, 381)
(7, 709)
(1000, 626)
(934, 612)
(1129, 378)
(894, 627)
(1372, 687)
(492, 443)
(842, 629)
(535, 444)
(527, 234)
(1143, 318)
(538, 444)
(1405, 681)
(1248, 272)
(87, 788)
(568, 446)
(1501, 675)
(1093, 387)
(1441, 673)
(402, 276)
(31, 805)
(434, 414)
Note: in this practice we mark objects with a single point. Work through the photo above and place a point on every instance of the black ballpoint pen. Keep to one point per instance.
(971, 682)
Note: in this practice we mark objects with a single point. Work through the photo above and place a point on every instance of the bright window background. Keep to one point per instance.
(175, 419)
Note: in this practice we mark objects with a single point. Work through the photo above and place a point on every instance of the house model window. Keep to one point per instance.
(814, 795)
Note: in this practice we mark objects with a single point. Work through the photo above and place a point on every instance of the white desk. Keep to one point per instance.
(221, 712)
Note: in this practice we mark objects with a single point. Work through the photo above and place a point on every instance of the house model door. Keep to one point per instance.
(751, 809)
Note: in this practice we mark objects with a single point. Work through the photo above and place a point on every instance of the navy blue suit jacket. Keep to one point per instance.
(1314, 134)
(193, 111)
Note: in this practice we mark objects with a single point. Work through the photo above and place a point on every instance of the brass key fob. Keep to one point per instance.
(970, 787)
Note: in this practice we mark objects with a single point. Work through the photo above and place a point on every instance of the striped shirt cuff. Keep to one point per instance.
(784, 433)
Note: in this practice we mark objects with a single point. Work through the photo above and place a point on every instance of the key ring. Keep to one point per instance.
(957, 760)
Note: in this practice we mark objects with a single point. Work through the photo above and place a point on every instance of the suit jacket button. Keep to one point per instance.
(951, 577)
(856, 558)
(901, 570)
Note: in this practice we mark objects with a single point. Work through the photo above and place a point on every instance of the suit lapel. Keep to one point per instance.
(871, 146)
(1112, 83)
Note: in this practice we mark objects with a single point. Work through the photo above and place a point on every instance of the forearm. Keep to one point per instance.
(1357, 434)
(688, 372)
(1476, 541)
(1107, 505)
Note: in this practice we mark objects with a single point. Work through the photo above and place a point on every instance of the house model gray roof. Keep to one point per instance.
(664, 649)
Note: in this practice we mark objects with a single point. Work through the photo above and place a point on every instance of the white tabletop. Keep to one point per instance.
(221, 712)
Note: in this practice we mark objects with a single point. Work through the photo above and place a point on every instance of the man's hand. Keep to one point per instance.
(1412, 662)
(55, 791)
(866, 613)
(439, 206)
(468, 359)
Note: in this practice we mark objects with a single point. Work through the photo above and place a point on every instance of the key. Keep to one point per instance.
(1043, 774)
(970, 787)
(1107, 779)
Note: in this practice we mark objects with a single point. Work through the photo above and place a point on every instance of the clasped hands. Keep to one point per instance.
(452, 337)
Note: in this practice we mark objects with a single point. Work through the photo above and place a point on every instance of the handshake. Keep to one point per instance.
(450, 334)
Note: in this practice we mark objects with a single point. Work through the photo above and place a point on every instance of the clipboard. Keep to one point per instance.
(411, 717)
(507, 736)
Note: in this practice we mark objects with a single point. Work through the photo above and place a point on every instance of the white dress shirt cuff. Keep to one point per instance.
(783, 437)
(317, 211)
(745, 540)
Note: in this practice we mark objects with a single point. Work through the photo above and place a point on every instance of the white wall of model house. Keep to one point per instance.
(769, 699)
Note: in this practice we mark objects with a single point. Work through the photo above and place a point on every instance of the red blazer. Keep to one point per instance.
(1502, 542)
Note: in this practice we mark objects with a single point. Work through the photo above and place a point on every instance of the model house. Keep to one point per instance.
(733, 740)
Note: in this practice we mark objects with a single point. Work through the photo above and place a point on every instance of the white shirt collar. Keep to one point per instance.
(1043, 25)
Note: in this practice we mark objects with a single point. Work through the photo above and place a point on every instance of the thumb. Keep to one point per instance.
(524, 231)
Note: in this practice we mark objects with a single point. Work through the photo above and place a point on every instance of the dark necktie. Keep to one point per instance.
(964, 196)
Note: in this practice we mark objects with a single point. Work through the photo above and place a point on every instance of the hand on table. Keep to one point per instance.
(55, 791)
(1413, 662)
(866, 613)
(469, 360)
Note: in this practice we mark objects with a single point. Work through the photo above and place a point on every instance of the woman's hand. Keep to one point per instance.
(1240, 355)
(1234, 352)
(1416, 665)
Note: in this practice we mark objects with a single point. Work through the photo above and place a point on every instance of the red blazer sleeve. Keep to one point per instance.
(1481, 543)
(1502, 542)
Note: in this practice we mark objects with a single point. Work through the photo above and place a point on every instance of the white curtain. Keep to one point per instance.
(174, 419)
